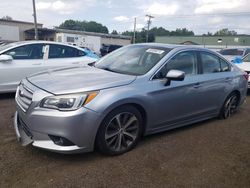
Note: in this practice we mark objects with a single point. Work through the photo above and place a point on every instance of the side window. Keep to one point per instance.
(184, 61)
(30, 51)
(213, 64)
(61, 51)
(224, 66)
(210, 63)
(80, 53)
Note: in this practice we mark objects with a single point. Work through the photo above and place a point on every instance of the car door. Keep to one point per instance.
(27, 60)
(216, 81)
(63, 56)
(177, 102)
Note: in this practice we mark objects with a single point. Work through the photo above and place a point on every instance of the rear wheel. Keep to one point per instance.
(230, 106)
(120, 131)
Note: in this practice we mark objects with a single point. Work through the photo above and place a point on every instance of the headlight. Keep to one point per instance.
(68, 102)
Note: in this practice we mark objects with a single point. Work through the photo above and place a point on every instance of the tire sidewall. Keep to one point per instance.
(100, 138)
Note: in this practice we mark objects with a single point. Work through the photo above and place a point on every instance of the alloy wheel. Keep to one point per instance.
(230, 106)
(122, 131)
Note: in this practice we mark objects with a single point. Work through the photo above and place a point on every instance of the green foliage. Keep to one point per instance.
(84, 26)
(7, 17)
(160, 31)
(225, 32)
(114, 32)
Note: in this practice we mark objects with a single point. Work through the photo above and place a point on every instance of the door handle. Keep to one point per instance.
(36, 63)
(75, 62)
(197, 85)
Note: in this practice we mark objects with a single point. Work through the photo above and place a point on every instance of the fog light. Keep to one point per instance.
(61, 141)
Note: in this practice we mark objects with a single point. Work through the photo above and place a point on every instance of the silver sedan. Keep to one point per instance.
(137, 90)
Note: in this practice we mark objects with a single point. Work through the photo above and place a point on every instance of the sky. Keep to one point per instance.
(200, 16)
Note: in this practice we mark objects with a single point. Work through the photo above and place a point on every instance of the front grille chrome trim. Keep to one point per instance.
(24, 97)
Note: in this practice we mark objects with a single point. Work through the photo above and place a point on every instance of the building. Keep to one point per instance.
(14, 30)
(207, 41)
(91, 40)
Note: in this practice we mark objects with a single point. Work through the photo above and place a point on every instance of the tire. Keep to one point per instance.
(120, 131)
(230, 106)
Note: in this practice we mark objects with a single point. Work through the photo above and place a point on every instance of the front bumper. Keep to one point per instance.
(38, 126)
(35, 129)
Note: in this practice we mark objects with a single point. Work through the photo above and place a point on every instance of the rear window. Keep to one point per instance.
(232, 52)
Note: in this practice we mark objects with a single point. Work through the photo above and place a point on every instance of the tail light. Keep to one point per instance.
(246, 75)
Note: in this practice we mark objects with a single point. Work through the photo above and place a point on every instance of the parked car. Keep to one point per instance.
(105, 49)
(244, 64)
(137, 90)
(231, 53)
(20, 59)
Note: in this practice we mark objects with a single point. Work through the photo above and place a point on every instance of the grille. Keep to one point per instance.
(24, 97)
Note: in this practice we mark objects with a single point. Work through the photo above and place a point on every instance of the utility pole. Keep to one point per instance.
(148, 22)
(134, 31)
(35, 21)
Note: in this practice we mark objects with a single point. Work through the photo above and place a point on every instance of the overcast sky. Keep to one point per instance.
(200, 16)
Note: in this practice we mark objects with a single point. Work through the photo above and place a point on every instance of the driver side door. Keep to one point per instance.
(27, 60)
(178, 102)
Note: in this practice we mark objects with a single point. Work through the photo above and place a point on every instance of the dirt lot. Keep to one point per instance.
(215, 153)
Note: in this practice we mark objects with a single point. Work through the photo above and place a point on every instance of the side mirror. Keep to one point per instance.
(5, 58)
(174, 75)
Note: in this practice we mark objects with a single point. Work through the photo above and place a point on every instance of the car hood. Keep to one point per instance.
(78, 79)
(244, 66)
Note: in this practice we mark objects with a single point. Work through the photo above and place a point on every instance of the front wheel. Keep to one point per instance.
(120, 131)
(230, 106)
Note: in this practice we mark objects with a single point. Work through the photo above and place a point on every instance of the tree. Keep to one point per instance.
(225, 32)
(181, 32)
(208, 34)
(7, 17)
(160, 31)
(114, 32)
(91, 26)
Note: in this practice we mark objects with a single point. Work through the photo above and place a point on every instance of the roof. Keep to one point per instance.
(13, 44)
(58, 30)
(17, 21)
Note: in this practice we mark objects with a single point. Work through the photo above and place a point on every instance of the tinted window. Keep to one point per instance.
(60, 51)
(31, 51)
(184, 61)
(224, 66)
(213, 64)
(232, 52)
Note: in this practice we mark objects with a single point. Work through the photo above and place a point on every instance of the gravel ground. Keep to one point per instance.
(214, 153)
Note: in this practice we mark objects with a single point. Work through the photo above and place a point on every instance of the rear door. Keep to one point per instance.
(215, 81)
(27, 60)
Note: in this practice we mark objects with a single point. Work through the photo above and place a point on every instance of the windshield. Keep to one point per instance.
(133, 60)
(6, 46)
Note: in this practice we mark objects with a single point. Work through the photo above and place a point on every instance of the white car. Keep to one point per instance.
(245, 66)
(20, 59)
